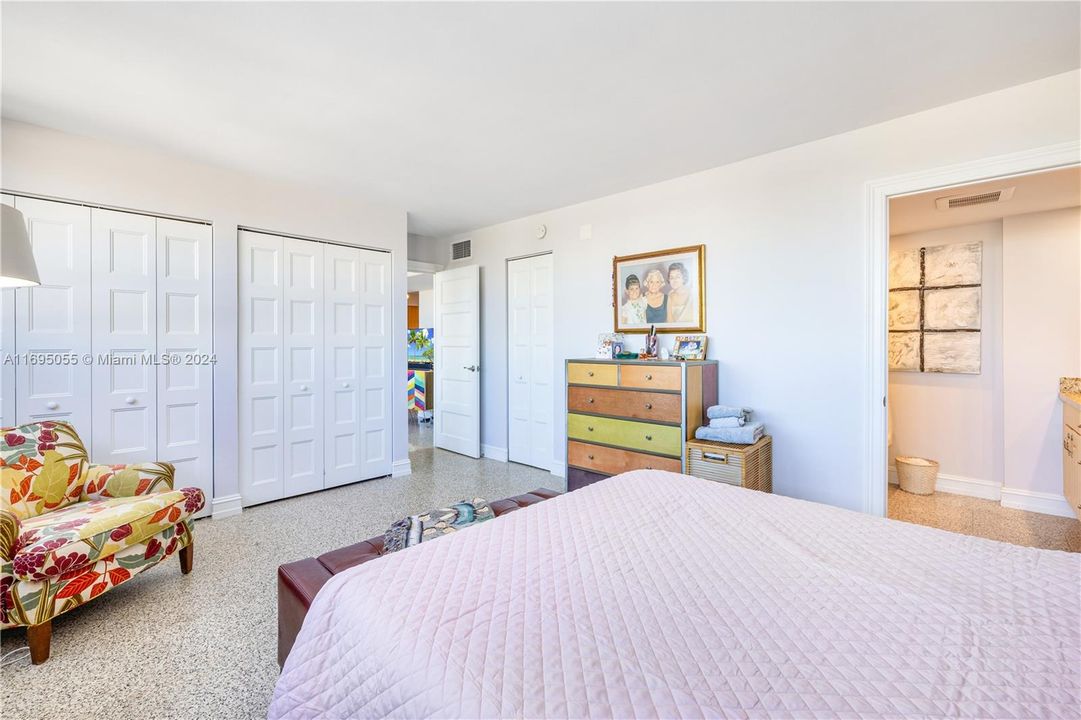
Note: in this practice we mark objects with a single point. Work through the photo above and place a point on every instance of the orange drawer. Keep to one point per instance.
(613, 461)
(592, 373)
(665, 377)
(659, 407)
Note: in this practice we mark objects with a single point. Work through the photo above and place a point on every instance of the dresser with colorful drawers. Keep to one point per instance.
(633, 414)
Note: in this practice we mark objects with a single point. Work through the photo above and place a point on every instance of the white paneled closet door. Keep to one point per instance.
(124, 343)
(530, 298)
(53, 319)
(303, 356)
(375, 366)
(342, 307)
(7, 347)
(185, 386)
(261, 344)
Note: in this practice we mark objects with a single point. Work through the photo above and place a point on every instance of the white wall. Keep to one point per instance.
(787, 247)
(952, 418)
(426, 311)
(427, 249)
(48, 162)
(1042, 333)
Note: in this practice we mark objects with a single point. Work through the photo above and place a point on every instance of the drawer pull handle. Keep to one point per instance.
(590, 428)
(589, 456)
(590, 373)
(649, 437)
(649, 467)
(590, 401)
(649, 406)
(648, 376)
(715, 457)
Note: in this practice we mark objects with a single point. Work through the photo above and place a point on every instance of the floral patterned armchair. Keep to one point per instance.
(70, 530)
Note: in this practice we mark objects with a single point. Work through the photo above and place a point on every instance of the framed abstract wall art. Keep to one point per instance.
(665, 289)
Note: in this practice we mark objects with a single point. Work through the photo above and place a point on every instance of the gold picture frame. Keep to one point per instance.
(690, 347)
(644, 290)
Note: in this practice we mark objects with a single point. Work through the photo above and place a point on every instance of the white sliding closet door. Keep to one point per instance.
(261, 389)
(530, 333)
(54, 318)
(342, 282)
(7, 347)
(124, 312)
(375, 363)
(185, 406)
(303, 358)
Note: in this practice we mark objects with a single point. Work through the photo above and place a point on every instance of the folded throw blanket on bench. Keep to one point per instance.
(415, 529)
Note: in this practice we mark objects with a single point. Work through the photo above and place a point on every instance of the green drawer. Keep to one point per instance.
(661, 439)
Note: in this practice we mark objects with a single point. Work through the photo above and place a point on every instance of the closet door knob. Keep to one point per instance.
(345, 385)
(129, 400)
(52, 405)
(303, 388)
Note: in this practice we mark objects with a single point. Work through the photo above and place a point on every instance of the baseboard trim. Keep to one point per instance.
(559, 469)
(226, 506)
(493, 453)
(1039, 502)
(401, 468)
(961, 485)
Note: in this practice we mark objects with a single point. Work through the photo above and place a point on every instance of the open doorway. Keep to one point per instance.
(984, 322)
(420, 344)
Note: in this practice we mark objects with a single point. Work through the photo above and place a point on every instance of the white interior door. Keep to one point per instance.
(341, 297)
(376, 378)
(124, 307)
(529, 337)
(457, 354)
(261, 269)
(185, 405)
(53, 319)
(303, 366)
(7, 347)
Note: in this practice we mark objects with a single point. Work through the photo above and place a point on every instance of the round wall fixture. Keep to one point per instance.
(542, 230)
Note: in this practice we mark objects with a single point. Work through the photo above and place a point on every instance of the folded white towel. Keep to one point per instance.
(727, 422)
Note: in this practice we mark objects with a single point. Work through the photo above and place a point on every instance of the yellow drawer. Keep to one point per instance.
(665, 377)
(592, 374)
(661, 439)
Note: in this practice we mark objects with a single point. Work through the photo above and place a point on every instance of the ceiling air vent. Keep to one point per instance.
(461, 250)
(960, 201)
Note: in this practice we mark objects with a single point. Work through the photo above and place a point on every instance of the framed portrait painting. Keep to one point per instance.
(666, 288)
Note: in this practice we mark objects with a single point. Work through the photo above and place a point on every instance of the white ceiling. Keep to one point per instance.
(1036, 192)
(470, 114)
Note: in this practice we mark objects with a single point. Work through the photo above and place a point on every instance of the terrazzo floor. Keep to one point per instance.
(985, 518)
(204, 646)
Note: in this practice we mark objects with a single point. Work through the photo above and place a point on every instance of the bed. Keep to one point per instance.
(659, 595)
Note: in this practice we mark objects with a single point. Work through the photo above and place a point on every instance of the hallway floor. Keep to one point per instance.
(985, 518)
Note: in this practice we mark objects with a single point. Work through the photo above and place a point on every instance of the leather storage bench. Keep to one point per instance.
(299, 581)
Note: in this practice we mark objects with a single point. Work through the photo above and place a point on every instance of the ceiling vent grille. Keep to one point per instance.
(461, 250)
(960, 201)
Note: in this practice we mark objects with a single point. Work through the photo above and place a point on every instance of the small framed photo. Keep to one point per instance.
(690, 347)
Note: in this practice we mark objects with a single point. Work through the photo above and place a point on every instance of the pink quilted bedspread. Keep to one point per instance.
(659, 595)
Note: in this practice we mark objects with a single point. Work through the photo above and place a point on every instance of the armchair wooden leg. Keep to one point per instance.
(39, 637)
(186, 555)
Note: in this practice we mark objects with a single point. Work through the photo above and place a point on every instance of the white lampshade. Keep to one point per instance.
(17, 267)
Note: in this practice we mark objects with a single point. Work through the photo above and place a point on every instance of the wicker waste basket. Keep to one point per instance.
(917, 475)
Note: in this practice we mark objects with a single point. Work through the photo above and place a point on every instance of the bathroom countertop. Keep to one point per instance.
(1069, 391)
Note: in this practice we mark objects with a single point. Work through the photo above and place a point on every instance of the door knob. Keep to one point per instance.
(471, 368)
(129, 400)
(52, 405)
(303, 388)
(345, 385)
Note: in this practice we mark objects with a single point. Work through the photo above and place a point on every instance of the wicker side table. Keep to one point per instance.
(749, 466)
